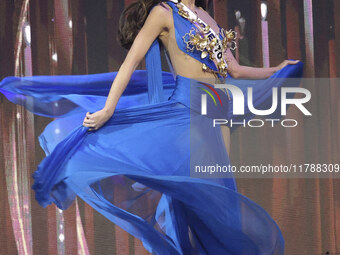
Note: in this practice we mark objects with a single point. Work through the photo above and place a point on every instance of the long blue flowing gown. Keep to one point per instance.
(154, 135)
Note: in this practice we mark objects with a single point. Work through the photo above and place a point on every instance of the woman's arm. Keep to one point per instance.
(154, 25)
(246, 72)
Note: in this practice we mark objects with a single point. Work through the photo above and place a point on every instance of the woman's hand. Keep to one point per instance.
(285, 63)
(97, 119)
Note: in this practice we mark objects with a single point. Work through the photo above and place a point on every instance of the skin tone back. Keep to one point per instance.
(159, 23)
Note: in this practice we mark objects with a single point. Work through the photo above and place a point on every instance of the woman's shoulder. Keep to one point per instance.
(162, 7)
(160, 11)
(161, 15)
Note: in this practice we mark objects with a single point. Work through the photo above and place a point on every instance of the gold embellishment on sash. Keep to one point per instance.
(201, 43)
(205, 41)
(182, 12)
(204, 54)
(204, 29)
(222, 68)
(229, 39)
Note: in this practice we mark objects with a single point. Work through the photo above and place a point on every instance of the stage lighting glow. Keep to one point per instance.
(27, 34)
(55, 57)
(264, 10)
(61, 237)
(237, 14)
(242, 22)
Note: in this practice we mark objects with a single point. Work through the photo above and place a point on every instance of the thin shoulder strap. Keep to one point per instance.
(171, 3)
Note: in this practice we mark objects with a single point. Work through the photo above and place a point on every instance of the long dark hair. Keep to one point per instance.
(133, 18)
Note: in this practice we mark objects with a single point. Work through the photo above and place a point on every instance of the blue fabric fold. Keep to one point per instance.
(154, 71)
(151, 142)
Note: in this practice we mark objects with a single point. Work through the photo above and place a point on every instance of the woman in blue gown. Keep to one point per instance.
(126, 148)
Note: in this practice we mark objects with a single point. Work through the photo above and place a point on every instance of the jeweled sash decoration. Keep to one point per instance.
(206, 40)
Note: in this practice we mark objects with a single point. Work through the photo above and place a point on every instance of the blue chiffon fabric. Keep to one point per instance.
(151, 144)
(135, 170)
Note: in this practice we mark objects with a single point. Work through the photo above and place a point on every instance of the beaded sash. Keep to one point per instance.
(203, 38)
